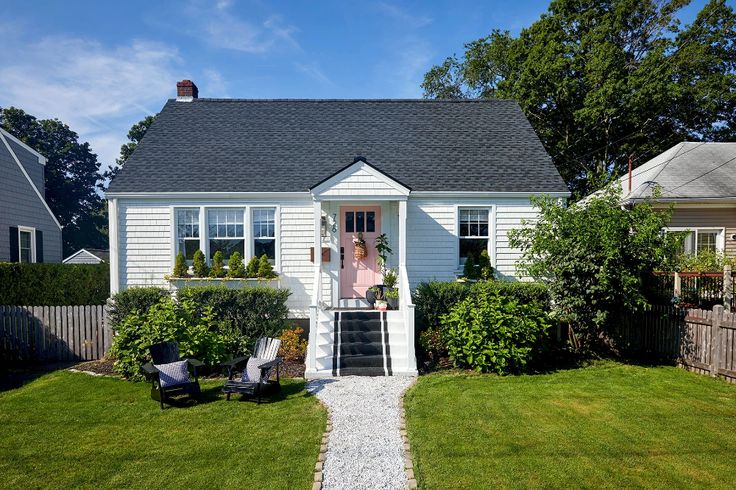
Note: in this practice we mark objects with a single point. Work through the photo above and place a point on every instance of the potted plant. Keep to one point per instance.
(390, 278)
(392, 298)
(359, 249)
(370, 295)
(381, 303)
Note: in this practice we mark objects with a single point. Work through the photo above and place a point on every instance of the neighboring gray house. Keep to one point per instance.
(442, 179)
(88, 256)
(699, 179)
(29, 231)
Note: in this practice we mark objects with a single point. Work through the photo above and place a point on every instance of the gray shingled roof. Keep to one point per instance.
(687, 171)
(229, 145)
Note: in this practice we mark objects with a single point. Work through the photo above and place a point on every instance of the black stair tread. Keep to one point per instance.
(361, 360)
(361, 371)
(359, 315)
(359, 327)
(365, 349)
(360, 336)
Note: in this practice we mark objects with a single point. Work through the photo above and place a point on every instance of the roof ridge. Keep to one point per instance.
(460, 101)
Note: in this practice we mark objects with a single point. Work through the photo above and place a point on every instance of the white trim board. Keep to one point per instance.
(319, 190)
(28, 178)
(41, 159)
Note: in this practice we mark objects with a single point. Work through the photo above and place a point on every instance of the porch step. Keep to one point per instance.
(363, 342)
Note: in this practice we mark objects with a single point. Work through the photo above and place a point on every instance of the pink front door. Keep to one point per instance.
(357, 275)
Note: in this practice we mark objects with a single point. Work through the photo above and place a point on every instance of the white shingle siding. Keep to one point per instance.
(145, 254)
(144, 230)
(432, 247)
(361, 182)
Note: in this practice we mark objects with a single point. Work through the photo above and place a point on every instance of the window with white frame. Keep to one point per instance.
(264, 232)
(187, 232)
(474, 232)
(26, 245)
(226, 231)
(703, 239)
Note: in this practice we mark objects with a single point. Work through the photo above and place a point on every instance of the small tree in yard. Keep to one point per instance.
(594, 257)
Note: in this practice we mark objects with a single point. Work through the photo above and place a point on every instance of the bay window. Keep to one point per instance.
(226, 232)
(264, 233)
(474, 232)
(187, 232)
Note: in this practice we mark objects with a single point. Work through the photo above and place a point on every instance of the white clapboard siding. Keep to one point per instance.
(509, 216)
(145, 243)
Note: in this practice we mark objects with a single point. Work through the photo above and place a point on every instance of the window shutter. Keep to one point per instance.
(14, 245)
(39, 246)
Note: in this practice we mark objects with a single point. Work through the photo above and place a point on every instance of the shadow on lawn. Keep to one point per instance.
(15, 375)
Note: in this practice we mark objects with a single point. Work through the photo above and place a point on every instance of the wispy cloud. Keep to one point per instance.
(411, 58)
(215, 83)
(220, 27)
(397, 13)
(313, 71)
(98, 90)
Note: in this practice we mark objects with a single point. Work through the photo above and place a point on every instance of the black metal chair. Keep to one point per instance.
(164, 353)
(266, 349)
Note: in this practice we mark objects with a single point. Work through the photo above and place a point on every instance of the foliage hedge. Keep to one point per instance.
(54, 284)
(436, 298)
(490, 331)
(231, 319)
(130, 300)
(198, 332)
(252, 311)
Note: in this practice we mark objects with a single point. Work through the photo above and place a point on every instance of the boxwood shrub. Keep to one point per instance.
(54, 284)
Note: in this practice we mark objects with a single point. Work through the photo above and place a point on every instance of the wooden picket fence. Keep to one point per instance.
(54, 333)
(704, 341)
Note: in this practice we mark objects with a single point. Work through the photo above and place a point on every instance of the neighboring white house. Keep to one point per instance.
(440, 178)
(88, 256)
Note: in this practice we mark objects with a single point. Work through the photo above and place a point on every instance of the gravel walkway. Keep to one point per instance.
(364, 449)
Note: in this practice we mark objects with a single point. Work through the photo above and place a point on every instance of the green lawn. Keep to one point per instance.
(70, 430)
(606, 426)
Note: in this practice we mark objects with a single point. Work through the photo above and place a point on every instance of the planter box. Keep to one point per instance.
(180, 282)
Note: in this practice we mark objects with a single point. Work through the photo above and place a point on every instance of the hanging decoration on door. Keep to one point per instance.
(359, 249)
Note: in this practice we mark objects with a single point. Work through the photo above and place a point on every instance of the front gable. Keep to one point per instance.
(360, 180)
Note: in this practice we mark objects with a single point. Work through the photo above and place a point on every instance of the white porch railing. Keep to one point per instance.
(407, 308)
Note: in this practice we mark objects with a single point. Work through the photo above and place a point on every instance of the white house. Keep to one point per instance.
(441, 178)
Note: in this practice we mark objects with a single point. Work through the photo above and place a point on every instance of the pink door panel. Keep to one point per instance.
(357, 275)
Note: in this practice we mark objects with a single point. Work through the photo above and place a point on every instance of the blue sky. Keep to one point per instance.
(101, 66)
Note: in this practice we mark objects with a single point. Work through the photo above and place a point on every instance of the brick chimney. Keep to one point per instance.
(186, 91)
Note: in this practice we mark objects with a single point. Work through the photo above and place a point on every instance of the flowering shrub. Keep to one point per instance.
(293, 347)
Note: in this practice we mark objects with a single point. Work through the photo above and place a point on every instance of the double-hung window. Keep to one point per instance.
(264, 232)
(474, 232)
(25, 245)
(226, 231)
(703, 240)
(187, 232)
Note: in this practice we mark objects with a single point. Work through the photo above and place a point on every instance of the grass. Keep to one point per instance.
(71, 430)
(605, 426)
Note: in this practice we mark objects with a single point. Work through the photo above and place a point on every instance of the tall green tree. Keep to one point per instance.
(595, 258)
(135, 135)
(72, 176)
(603, 81)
